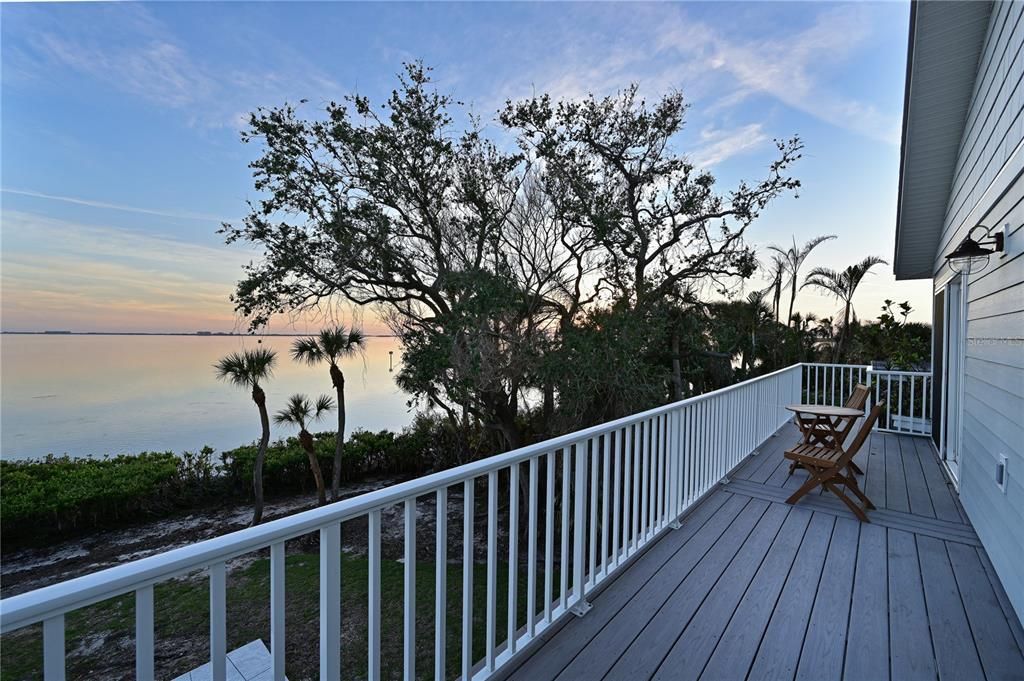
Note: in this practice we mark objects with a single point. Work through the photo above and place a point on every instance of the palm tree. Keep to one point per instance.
(792, 259)
(247, 369)
(777, 268)
(331, 346)
(843, 285)
(301, 412)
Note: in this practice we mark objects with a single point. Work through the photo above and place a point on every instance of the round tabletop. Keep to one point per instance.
(824, 410)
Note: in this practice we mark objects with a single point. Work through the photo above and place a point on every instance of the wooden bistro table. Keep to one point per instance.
(819, 424)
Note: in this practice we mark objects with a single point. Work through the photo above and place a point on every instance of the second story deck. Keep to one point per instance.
(659, 545)
(752, 587)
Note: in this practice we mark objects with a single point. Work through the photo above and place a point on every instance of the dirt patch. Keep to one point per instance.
(31, 568)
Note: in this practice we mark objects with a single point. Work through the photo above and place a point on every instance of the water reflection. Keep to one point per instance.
(94, 395)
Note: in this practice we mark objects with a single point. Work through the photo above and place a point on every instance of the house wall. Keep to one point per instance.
(988, 188)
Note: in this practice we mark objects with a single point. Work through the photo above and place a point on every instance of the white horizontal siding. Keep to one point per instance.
(988, 188)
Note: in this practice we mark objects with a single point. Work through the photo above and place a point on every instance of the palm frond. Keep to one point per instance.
(827, 280)
(307, 350)
(324, 403)
(296, 412)
(246, 368)
(339, 342)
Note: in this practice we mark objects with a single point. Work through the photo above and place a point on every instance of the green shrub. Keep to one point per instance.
(61, 493)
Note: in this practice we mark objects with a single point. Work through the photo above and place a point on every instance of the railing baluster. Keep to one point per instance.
(373, 598)
(687, 455)
(330, 602)
(659, 473)
(409, 613)
(636, 454)
(564, 554)
(218, 622)
(513, 555)
(549, 536)
(579, 507)
(899, 403)
(606, 460)
(627, 491)
(924, 404)
(467, 578)
(277, 609)
(617, 540)
(888, 399)
(644, 476)
(144, 633)
(913, 425)
(440, 583)
(594, 462)
(53, 649)
(492, 568)
(531, 552)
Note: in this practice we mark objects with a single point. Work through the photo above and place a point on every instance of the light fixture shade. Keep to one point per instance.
(967, 264)
(971, 256)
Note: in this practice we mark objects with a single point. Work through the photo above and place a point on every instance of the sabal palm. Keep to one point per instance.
(248, 369)
(792, 259)
(331, 346)
(301, 412)
(843, 285)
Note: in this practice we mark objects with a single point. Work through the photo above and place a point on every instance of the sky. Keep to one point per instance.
(120, 150)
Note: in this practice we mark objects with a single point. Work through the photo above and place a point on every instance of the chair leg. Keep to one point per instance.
(813, 481)
(857, 510)
(855, 488)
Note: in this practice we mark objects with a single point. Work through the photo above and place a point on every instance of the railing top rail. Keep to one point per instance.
(894, 372)
(21, 610)
(832, 364)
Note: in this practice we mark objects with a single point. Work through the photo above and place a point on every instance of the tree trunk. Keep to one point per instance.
(843, 334)
(338, 379)
(792, 300)
(260, 398)
(677, 369)
(306, 440)
(549, 404)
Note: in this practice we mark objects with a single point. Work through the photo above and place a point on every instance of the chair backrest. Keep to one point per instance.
(862, 434)
(859, 397)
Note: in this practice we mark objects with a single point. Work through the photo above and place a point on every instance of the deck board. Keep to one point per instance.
(822, 657)
(695, 646)
(910, 646)
(751, 587)
(869, 617)
(648, 639)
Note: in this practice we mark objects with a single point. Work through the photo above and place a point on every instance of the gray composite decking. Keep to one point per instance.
(751, 587)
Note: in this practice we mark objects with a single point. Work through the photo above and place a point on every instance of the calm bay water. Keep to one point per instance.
(96, 395)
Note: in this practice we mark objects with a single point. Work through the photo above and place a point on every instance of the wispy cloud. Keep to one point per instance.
(156, 70)
(661, 47)
(127, 48)
(181, 215)
(790, 67)
(718, 145)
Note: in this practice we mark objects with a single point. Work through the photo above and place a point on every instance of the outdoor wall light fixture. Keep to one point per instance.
(972, 255)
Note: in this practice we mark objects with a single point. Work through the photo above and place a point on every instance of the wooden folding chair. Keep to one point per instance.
(818, 433)
(830, 467)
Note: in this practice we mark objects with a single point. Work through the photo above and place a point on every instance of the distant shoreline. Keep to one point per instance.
(213, 334)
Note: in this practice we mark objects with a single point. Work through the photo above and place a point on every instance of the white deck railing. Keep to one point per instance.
(611, 490)
(906, 394)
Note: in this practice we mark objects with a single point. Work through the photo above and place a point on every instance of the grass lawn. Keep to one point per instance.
(100, 639)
